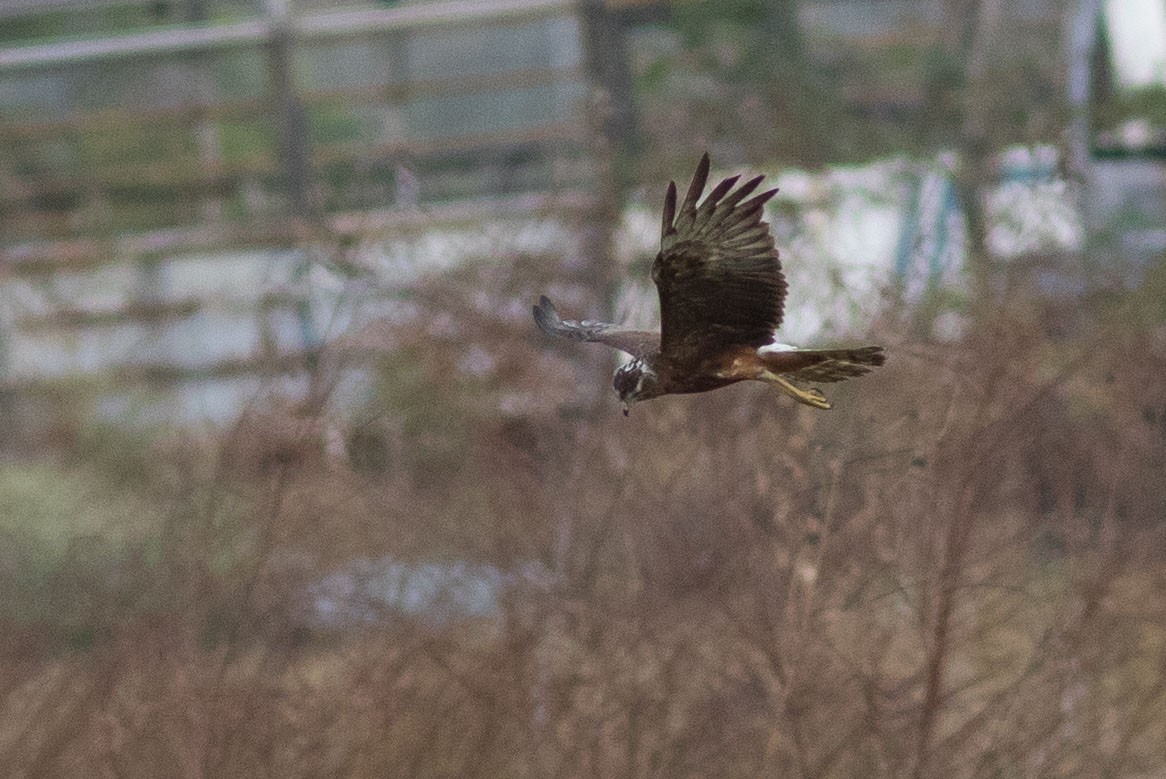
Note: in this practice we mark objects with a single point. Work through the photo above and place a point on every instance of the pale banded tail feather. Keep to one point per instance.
(838, 364)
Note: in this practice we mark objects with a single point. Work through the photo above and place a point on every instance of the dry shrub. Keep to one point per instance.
(959, 571)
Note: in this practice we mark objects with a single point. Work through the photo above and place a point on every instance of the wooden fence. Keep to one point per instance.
(157, 189)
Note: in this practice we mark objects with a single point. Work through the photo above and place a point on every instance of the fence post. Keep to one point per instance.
(295, 156)
(295, 170)
(611, 124)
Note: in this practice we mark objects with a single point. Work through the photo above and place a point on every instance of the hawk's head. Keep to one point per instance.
(634, 381)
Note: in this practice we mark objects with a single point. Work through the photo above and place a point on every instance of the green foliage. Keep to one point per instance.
(1148, 103)
(48, 506)
(69, 537)
(246, 139)
(158, 142)
(731, 36)
(334, 124)
(435, 409)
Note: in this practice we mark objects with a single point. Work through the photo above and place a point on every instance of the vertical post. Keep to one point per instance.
(200, 92)
(295, 160)
(1082, 38)
(974, 172)
(605, 53)
(612, 122)
(801, 102)
(197, 92)
(295, 163)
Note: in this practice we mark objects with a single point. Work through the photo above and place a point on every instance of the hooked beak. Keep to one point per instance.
(627, 407)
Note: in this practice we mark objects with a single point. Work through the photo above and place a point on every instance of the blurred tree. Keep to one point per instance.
(970, 27)
(612, 137)
(754, 51)
(993, 79)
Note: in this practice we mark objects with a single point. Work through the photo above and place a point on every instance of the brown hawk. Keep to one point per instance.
(721, 298)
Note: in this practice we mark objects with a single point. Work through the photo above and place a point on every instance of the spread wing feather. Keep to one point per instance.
(718, 273)
(637, 343)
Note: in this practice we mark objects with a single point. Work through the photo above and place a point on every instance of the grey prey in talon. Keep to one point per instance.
(722, 293)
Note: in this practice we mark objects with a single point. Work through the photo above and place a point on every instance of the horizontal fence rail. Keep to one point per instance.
(154, 238)
(332, 24)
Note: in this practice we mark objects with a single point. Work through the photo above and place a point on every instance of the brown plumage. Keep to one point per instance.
(722, 294)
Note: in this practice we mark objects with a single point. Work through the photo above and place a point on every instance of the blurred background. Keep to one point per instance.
(290, 485)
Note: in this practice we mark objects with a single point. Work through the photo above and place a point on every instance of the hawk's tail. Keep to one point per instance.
(819, 366)
(827, 365)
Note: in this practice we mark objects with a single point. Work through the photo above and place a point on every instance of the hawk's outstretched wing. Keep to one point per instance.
(637, 343)
(717, 272)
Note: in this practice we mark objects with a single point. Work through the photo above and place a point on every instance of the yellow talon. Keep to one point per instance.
(811, 397)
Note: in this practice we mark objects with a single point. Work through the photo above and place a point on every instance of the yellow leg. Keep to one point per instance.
(811, 397)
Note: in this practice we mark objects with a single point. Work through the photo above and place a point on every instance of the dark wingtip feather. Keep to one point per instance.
(699, 179)
(669, 210)
(720, 190)
(742, 192)
(756, 203)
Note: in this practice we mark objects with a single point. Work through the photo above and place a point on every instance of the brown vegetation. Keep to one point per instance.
(957, 572)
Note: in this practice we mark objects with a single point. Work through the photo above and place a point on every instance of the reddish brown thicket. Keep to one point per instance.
(958, 571)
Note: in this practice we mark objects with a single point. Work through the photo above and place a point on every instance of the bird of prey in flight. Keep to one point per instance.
(722, 293)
